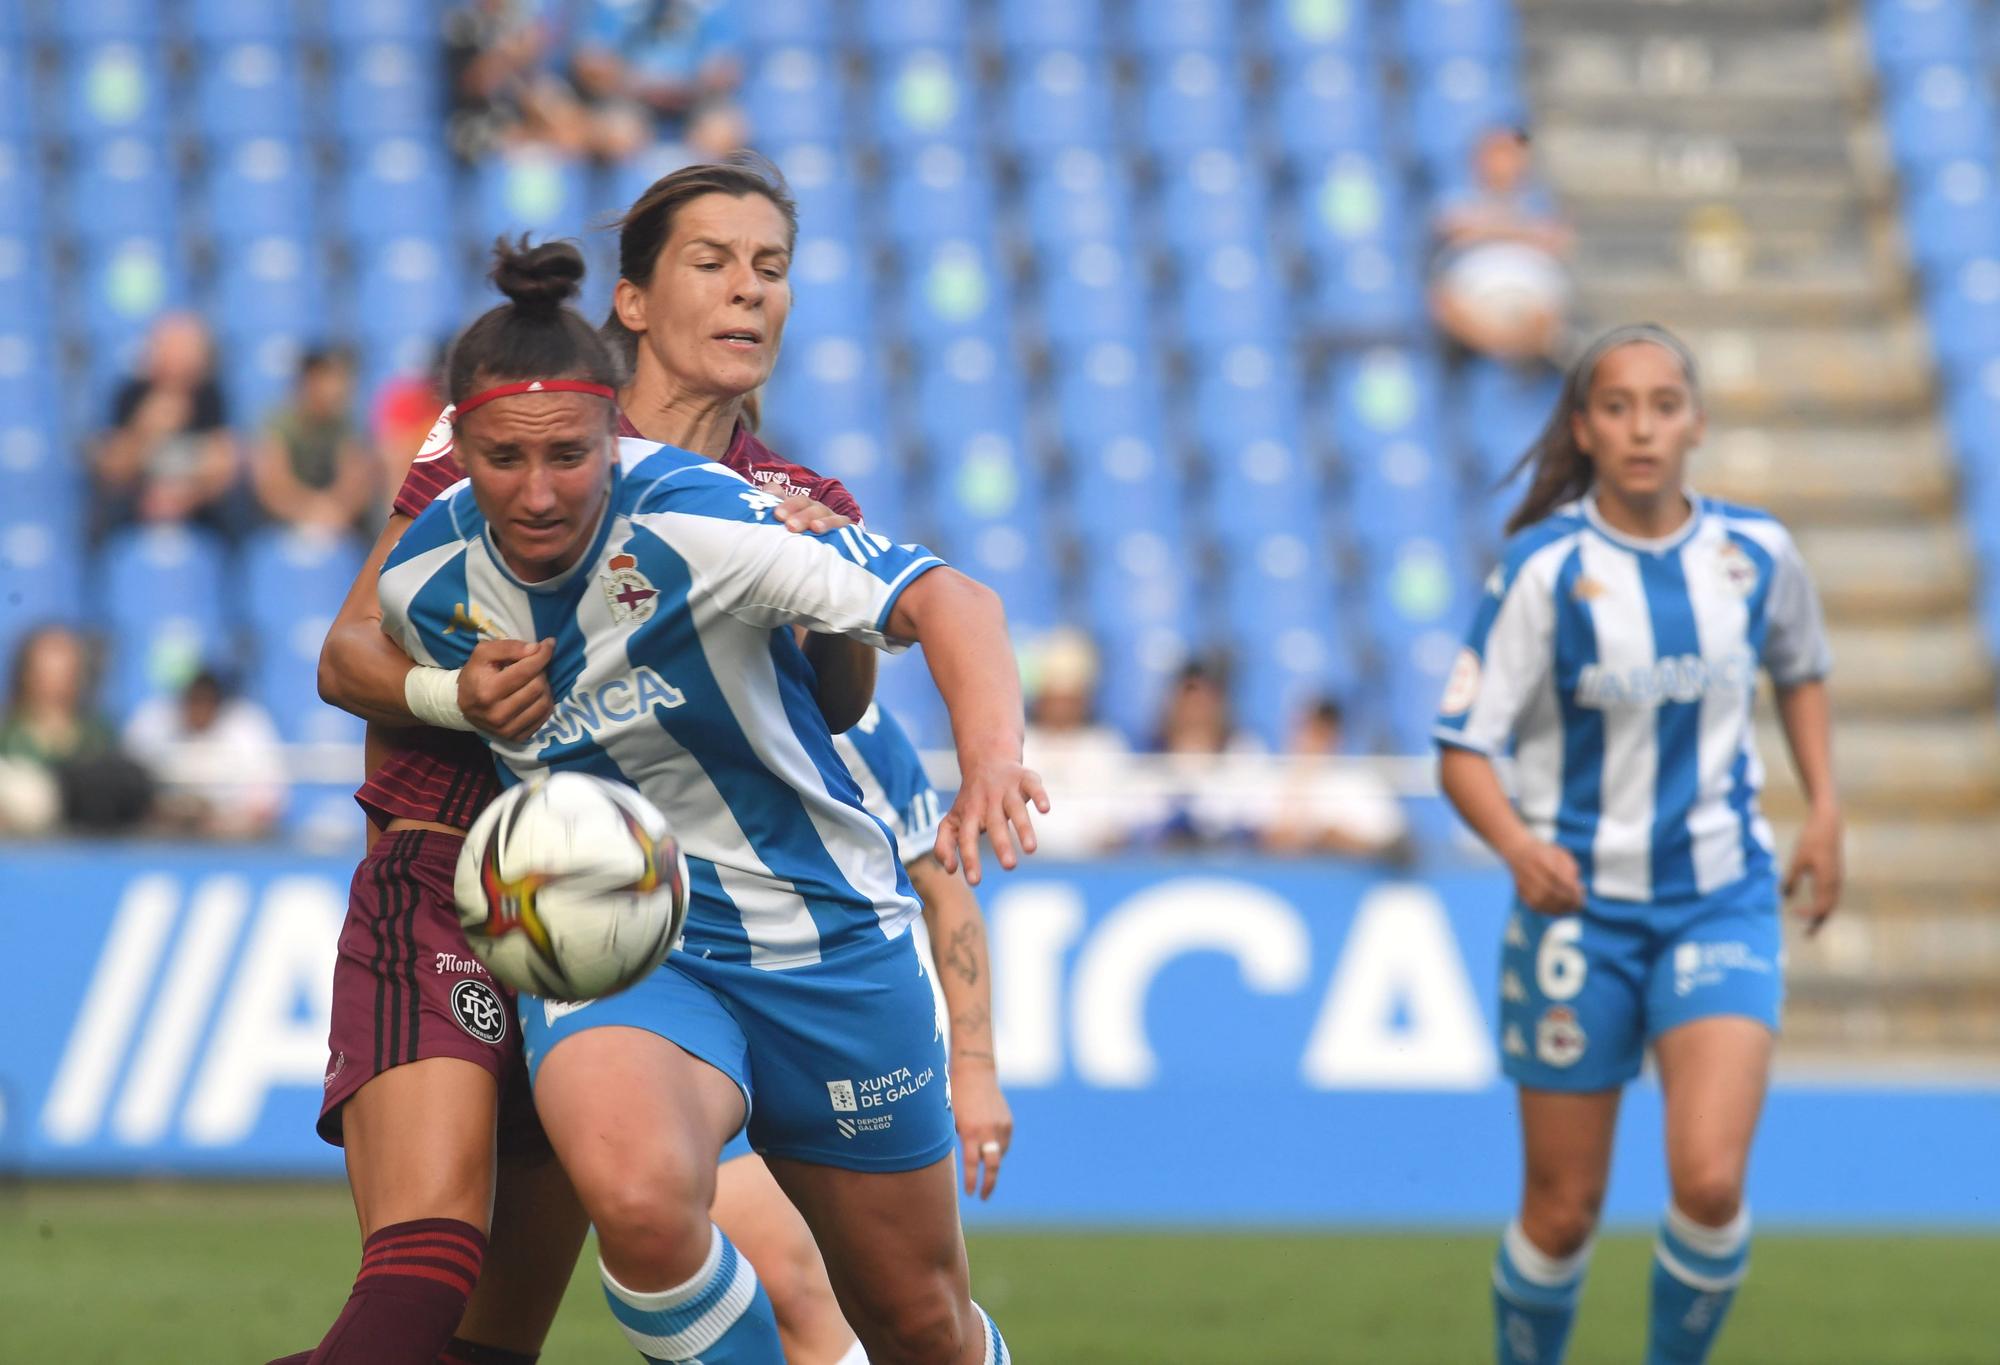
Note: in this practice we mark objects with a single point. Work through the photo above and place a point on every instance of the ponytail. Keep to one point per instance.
(1562, 472)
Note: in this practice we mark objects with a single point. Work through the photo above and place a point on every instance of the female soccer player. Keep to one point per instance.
(798, 1001)
(1616, 650)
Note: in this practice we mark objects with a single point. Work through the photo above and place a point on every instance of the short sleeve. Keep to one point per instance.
(1507, 655)
(1795, 644)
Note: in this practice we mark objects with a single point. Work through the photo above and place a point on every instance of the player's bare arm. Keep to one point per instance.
(1817, 863)
(958, 944)
(1545, 875)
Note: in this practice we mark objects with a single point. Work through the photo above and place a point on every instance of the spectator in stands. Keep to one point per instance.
(1083, 763)
(168, 456)
(1323, 806)
(504, 92)
(311, 468)
(1208, 806)
(218, 761)
(58, 757)
(662, 71)
(1500, 279)
(400, 420)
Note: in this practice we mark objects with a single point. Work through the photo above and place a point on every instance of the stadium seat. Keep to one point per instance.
(105, 21)
(792, 95)
(1076, 195)
(1166, 27)
(242, 21)
(894, 25)
(789, 23)
(27, 287)
(395, 187)
(1452, 105)
(992, 520)
(39, 579)
(863, 458)
(1286, 637)
(259, 188)
(1056, 99)
(128, 283)
(532, 191)
(1383, 395)
(1367, 294)
(121, 187)
(1230, 295)
(359, 22)
(622, 182)
(1027, 27)
(114, 89)
(246, 90)
(1091, 292)
(1189, 102)
(23, 196)
(407, 286)
(1111, 408)
(964, 386)
(936, 192)
(1964, 314)
(1951, 214)
(833, 293)
(1940, 113)
(269, 283)
(17, 96)
(295, 583)
(924, 96)
(954, 288)
(1350, 199)
(1907, 33)
(1138, 581)
(388, 90)
(1211, 199)
(260, 367)
(1328, 104)
(826, 185)
(1242, 395)
(1302, 29)
(1434, 31)
(1502, 408)
(163, 593)
(1137, 667)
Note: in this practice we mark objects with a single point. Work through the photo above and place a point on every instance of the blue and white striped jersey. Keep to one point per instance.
(895, 789)
(673, 673)
(1622, 672)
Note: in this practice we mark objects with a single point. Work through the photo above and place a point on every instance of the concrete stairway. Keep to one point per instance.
(1722, 164)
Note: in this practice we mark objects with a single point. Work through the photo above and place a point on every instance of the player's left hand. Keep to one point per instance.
(801, 513)
(993, 800)
(1817, 865)
(985, 1123)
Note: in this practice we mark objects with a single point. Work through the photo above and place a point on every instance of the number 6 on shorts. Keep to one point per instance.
(1560, 965)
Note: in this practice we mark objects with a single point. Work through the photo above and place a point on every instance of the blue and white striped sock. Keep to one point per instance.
(1695, 1273)
(722, 1316)
(996, 1345)
(1534, 1299)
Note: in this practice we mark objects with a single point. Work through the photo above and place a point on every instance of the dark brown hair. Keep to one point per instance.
(535, 334)
(1561, 470)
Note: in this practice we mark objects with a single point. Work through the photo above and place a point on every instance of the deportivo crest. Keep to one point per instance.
(1559, 1038)
(631, 594)
(1739, 571)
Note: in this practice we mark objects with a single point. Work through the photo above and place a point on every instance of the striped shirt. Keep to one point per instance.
(895, 789)
(1622, 673)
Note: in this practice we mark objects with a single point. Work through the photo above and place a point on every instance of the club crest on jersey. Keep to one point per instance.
(1559, 1039)
(1738, 569)
(631, 594)
(1462, 689)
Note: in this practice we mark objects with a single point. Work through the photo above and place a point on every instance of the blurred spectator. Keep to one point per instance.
(504, 91)
(218, 760)
(312, 468)
(405, 409)
(662, 71)
(168, 456)
(58, 756)
(1081, 762)
(1324, 806)
(1197, 735)
(1500, 283)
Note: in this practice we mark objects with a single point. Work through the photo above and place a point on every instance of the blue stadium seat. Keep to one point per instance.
(358, 22)
(532, 191)
(105, 21)
(1091, 292)
(1077, 195)
(789, 23)
(39, 579)
(1951, 214)
(1502, 408)
(792, 95)
(249, 90)
(1941, 112)
(1452, 105)
(1296, 29)
(936, 192)
(965, 386)
(1111, 406)
(1231, 295)
(1031, 26)
(22, 197)
(1165, 27)
(121, 187)
(294, 583)
(1243, 395)
(27, 286)
(268, 284)
(1138, 583)
(162, 589)
(1331, 103)
(1418, 603)
(862, 456)
(1402, 491)
(924, 96)
(127, 284)
(1439, 30)
(260, 188)
(388, 89)
(993, 520)
(114, 90)
(395, 187)
(1212, 198)
(1365, 294)
(1964, 313)
(828, 408)
(242, 21)
(1137, 669)
(892, 25)
(832, 291)
(1056, 99)
(40, 473)
(1383, 395)
(1190, 101)
(17, 95)
(1907, 33)
(1285, 631)
(260, 367)
(954, 288)
(621, 184)
(1351, 199)
(407, 286)
(825, 184)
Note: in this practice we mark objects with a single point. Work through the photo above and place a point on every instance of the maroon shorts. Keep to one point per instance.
(406, 987)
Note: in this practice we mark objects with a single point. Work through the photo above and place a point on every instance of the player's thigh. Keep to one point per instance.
(1572, 1001)
(1566, 1140)
(419, 1142)
(1713, 1073)
(531, 1250)
(754, 1213)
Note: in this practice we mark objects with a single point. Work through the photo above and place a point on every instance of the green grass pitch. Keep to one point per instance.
(208, 1275)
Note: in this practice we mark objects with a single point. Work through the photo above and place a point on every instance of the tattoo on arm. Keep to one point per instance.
(965, 951)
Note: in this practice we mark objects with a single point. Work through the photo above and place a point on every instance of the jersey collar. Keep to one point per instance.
(583, 561)
(1657, 545)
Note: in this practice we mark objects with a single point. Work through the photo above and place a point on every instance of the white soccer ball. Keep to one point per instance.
(571, 887)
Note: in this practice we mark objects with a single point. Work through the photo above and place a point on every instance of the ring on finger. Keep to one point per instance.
(989, 1148)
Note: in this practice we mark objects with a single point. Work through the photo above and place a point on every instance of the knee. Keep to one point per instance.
(1710, 1193)
(1560, 1215)
(919, 1329)
(798, 1288)
(651, 1224)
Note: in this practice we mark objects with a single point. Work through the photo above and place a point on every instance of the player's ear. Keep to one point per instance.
(1579, 432)
(629, 301)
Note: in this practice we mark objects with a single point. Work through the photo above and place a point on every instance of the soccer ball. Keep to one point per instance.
(571, 887)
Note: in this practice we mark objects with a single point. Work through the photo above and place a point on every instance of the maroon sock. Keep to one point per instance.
(463, 1352)
(414, 1282)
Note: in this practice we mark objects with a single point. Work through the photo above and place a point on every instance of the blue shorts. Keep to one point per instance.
(841, 1063)
(1582, 996)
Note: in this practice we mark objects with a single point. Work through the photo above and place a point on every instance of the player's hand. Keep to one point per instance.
(504, 687)
(1818, 866)
(801, 513)
(1546, 879)
(985, 1123)
(993, 799)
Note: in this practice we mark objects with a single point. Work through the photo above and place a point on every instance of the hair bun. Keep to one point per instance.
(537, 280)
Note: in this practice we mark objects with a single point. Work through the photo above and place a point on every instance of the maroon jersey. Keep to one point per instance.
(447, 776)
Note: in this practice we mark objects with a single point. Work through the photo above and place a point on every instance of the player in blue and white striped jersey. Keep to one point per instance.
(798, 1001)
(1615, 653)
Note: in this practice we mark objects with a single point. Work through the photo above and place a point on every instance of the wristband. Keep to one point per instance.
(432, 696)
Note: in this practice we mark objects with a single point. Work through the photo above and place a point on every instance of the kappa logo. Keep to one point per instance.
(553, 1010)
(1559, 1039)
(630, 593)
(479, 1011)
(1512, 1043)
(1511, 989)
(1517, 937)
(1587, 589)
(466, 616)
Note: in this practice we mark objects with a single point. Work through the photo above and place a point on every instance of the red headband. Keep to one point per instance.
(537, 386)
